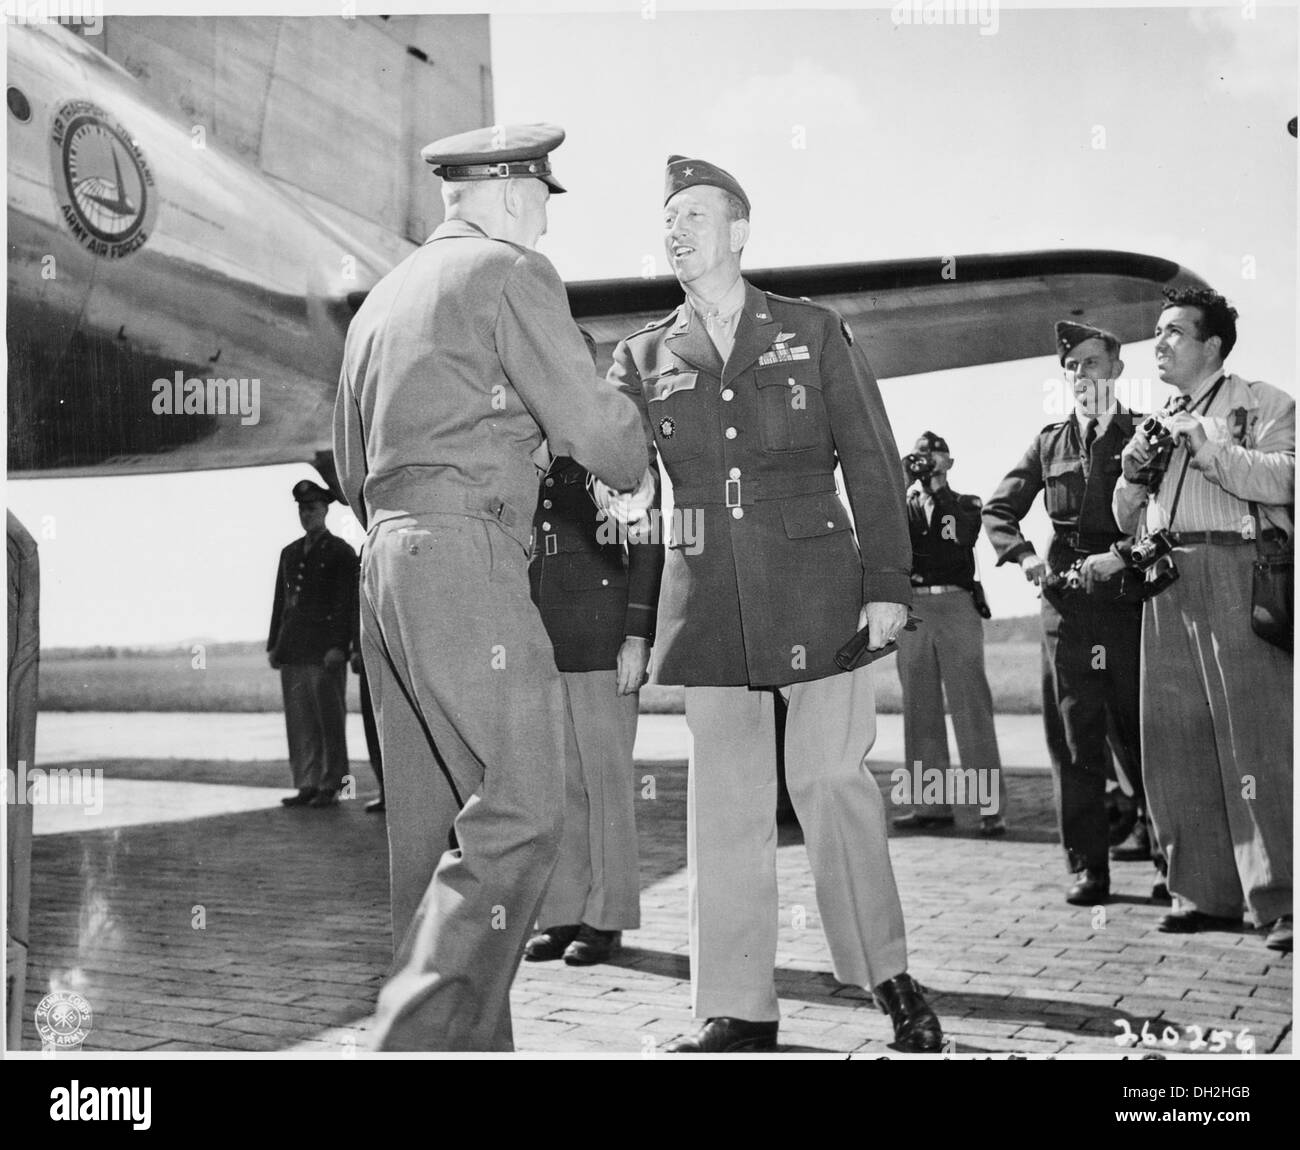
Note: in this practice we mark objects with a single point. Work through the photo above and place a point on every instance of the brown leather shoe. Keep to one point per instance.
(549, 944)
(916, 1028)
(727, 1036)
(592, 946)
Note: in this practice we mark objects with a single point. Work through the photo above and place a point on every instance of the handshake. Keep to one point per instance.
(631, 507)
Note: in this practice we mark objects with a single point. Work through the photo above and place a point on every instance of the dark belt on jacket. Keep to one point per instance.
(742, 492)
(1226, 538)
(1091, 544)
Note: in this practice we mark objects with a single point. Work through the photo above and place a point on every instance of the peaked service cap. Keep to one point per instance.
(501, 152)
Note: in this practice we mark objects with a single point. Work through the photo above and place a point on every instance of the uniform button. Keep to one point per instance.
(738, 513)
(728, 395)
(730, 433)
(550, 482)
(547, 504)
(734, 473)
(830, 523)
(546, 526)
(604, 582)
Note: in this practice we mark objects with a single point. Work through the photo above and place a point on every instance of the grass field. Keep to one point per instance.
(235, 677)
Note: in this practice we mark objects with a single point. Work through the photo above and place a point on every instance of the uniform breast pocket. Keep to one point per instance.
(791, 415)
(1063, 488)
(675, 407)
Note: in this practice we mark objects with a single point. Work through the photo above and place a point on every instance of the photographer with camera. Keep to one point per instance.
(1212, 482)
(1092, 614)
(947, 653)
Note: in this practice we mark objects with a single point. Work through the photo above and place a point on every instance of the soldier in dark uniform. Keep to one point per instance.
(597, 598)
(311, 622)
(1092, 609)
(750, 399)
(946, 655)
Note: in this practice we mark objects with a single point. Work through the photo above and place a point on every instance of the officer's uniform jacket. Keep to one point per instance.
(458, 363)
(594, 583)
(1077, 491)
(314, 596)
(774, 580)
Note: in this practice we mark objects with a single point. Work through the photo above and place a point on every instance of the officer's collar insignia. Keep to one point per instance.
(761, 315)
(667, 427)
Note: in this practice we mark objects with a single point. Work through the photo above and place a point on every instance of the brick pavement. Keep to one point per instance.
(267, 931)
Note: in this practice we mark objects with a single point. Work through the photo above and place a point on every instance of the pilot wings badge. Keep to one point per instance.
(782, 352)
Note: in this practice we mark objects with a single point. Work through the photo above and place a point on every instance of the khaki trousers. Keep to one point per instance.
(315, 718)
(1216, 740)
(471, 709)
(597, 879)
(946, 654)
(731, 839)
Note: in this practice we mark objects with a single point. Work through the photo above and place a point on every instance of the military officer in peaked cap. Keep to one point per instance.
(308, 644)
(463, 363)
(1075, 462)
(750, 399)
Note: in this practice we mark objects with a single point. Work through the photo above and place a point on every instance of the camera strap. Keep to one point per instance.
(1207, 399)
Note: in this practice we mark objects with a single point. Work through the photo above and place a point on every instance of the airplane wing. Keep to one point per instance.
(922, 315)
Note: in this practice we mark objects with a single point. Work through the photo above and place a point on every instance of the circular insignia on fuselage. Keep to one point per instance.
(667, 427)
(103, 182)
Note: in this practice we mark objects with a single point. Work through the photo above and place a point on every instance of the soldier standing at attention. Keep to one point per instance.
(1092, 619)
(947, 653)
(457, 366)
(597, 595)
(308, 644)
(750, 400)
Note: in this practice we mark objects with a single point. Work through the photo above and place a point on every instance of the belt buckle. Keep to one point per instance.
(730, 483)
(551, 544)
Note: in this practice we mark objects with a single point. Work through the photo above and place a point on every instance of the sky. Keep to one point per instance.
(1153, 130)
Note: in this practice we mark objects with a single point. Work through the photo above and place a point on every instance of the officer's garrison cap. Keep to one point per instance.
(502, 152)
(305, 491)
(685, 173)
(1070, 334)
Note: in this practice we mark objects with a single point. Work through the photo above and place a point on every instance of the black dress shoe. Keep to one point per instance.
(549, 944)
(376, 806)
(1091, 886)
(727, 1036)
(916, 1029)
(1160, 891)
(915, 821)
(324, 799)
(1281, 934)
(1192, 921)
(1135, 848)
(992, 826)
(301, 799)
(592, 946)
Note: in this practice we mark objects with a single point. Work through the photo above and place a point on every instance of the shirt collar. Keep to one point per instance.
(1199, 391)
(725, 309)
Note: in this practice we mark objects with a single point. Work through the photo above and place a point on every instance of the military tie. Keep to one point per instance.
(1089, 436)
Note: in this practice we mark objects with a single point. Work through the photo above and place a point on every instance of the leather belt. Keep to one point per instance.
(741, 492)
(937, 588)
(1225, 538)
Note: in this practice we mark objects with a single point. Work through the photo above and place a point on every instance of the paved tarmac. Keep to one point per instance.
(196, 914)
